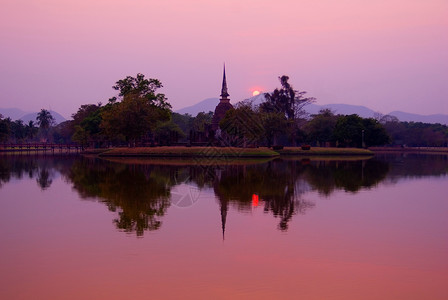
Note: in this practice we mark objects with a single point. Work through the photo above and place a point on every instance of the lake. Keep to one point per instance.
(290, 228)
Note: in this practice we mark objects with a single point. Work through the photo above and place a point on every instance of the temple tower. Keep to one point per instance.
(223, 105)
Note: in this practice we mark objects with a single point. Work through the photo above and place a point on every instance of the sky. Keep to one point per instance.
(384, 54)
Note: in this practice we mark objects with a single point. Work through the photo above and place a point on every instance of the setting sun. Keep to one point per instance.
(255, 93)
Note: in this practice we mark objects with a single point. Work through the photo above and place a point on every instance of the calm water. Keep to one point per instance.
(78, 228)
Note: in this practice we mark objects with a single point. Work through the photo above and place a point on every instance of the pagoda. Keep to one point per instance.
(223, 105)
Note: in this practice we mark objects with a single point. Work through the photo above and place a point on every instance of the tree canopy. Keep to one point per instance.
(139, 112)
(44, 119)
(290, 103)
(141, 87)
(286, 100)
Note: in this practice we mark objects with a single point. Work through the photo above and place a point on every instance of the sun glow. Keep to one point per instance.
(255, 93)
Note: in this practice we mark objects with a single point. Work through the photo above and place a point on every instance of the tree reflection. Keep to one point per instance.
(44, 178)
(275, 182)
(140, 191)
(282, 184)
(32, 166)
(139, 194)
(5, 174)
(414, 165)
(328, 175)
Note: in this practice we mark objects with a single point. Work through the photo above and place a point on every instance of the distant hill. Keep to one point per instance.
(18, 114)
(13, 113)
(408, 117)
(32, 117)
(343, 109)
(206, 105)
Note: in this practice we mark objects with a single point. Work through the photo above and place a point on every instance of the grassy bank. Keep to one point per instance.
(322, 151)
(226, 152)
(188, 161)
(214, 152)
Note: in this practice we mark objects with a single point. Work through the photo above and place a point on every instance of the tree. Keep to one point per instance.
(80, 136)
(184, 121)
(86, 123)
(168, 133)
(4, 129)
(62, 132)
(352, 130)
(286, 100)
(374, 133)
(243, 125)
(202, 121)
(139, 112)
(30, 130)
(423, 134)
(44, 119)
(133, 118)
(289, 102)
(84, 112)
(19, 130)
(199, 127)
(275, 126)
(321, 127)
(142, 88)
(348, 130)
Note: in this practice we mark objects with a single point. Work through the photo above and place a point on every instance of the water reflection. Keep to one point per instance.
(139, 194)
(42, 168)
(414, 165)
(277, 184)
(327, 176)
(44, 178)
(141, 191)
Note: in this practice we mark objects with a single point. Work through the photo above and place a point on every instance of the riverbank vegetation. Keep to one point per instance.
(141, 116)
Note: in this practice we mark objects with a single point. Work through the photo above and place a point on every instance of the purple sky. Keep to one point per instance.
(384, 54)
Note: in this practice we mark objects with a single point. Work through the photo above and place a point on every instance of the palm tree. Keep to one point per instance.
(44, 119)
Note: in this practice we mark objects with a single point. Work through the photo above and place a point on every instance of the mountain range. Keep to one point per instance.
(18, 114)
(209, 104)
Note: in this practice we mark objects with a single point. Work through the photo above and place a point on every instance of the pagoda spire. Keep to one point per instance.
(223, 105)
(224, 93)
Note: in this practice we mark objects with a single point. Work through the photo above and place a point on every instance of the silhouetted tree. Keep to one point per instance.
(374, 133)
(320, 128)
(348, 130)
(86, 123)
(289, 102)
(167, 133)
(30, 130)
(139, 112)
(44, 119)
(243, 125)
(4, 129)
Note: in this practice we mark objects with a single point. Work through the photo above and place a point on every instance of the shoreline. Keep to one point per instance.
(228, 152)
(181, 151)
(433, 150)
